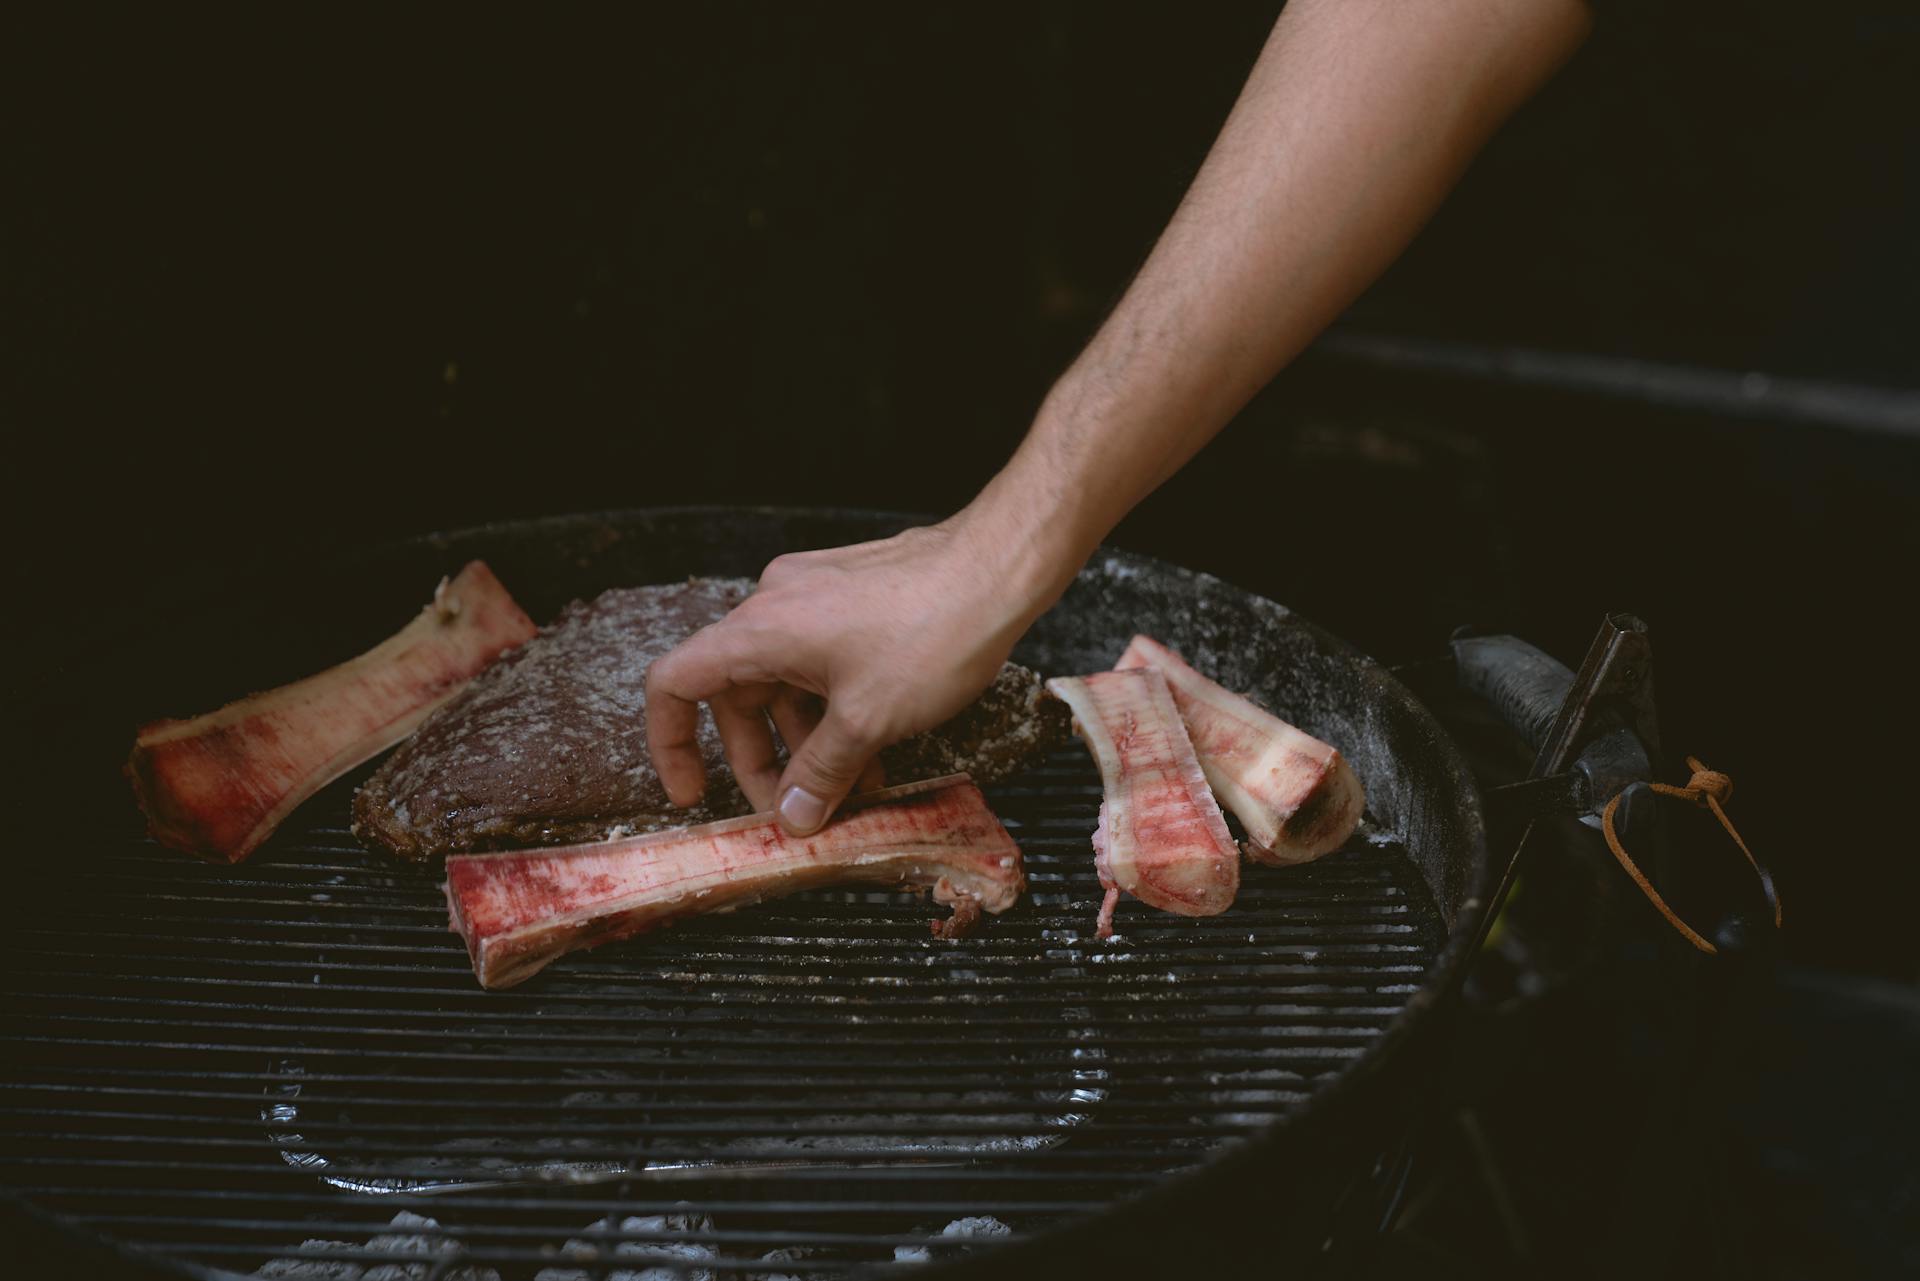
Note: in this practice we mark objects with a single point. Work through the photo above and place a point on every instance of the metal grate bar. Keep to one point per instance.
(815, 1082)
(196, 1049)
(76, 1196)
(882, 1175)
(1305, 1007)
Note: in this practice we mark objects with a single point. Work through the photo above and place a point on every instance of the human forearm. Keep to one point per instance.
(1357, 119)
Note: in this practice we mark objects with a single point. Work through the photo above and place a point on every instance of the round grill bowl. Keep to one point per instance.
(230, 1069)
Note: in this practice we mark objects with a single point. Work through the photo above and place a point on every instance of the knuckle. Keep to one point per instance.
(781, 567)
(862, 726)
(837, 775)
(660, 679)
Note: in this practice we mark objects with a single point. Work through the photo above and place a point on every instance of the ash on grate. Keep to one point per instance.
(785, 1254)
(650, 1225)
(419, 1237)
(975, 1227)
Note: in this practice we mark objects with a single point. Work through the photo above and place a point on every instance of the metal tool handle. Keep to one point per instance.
(1593, 733)
(1526, 685)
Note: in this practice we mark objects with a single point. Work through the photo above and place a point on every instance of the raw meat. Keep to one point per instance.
(520, 909)
(550, 747)
(217, 785)
(1160, 836)
(1297, 796)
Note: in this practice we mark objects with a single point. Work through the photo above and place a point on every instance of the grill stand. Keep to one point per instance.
(1673, 1199)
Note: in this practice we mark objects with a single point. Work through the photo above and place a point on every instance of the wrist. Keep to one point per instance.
(1027, 538)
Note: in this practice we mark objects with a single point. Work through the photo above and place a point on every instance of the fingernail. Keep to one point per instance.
(802, 811)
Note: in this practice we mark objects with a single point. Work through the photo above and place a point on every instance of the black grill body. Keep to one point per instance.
(231, 1068)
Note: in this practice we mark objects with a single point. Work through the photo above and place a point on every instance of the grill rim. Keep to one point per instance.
(1371, 1079)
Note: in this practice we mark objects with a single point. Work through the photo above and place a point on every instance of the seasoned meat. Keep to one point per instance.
(550, 747)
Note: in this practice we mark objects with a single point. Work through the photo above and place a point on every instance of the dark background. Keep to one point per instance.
(271, 288)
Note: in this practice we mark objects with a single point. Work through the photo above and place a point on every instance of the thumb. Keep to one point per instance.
(822, 772)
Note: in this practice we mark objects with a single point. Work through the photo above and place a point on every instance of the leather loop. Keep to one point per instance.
(1708, 788)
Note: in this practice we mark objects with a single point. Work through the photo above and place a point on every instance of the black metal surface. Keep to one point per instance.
(1519, 803)
(1613, 687)
(1592, 733)
(1526, 686)
(219, 1064)
(1600, 723)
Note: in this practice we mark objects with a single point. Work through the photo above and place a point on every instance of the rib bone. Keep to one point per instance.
(217, 785)
(520, 909)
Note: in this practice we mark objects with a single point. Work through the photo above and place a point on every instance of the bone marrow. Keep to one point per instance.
(520, 910)
(1160, 837)
(1297, 797)
(217, 785)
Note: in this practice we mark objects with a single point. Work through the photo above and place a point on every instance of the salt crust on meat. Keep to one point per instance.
(548, 747)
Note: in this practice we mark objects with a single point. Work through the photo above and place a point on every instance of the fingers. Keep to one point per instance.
(823, 771)
(740, 716)
(744, 669)
(671, 723)
(795, 712)
(706, 665)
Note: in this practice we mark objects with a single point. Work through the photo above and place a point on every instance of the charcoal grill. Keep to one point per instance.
(223, 1069)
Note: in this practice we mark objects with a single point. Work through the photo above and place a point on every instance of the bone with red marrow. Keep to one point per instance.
(1160, 837)
(519, 910)
(1297, 797)
(217, 785)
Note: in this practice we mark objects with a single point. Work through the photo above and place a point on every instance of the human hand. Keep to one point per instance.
(848, 650)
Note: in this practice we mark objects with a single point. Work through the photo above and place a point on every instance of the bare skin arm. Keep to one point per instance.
(1357, 119)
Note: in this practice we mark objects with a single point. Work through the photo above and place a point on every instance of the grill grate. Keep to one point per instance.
(220, 1064)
